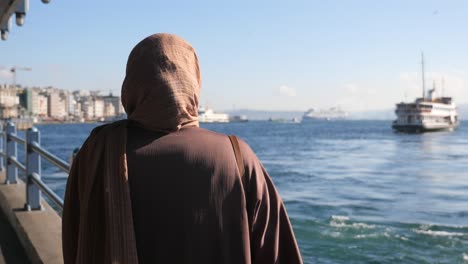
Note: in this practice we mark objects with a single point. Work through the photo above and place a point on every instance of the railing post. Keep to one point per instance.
(12, 170)
(2, 149)
(33, 165)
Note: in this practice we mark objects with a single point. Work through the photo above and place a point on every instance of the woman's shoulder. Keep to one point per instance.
(100, 129)
(247, 153)
(101, 132)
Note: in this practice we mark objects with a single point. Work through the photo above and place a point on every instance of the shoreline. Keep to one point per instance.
(67, 122)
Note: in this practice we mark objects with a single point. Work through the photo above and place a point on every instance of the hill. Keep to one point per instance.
(386, 114)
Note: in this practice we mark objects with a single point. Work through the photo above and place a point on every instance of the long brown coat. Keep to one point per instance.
(188, 203)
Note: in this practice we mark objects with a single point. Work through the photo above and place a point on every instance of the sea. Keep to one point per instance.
(355, 191)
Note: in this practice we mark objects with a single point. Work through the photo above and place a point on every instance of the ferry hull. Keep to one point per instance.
(422, 128)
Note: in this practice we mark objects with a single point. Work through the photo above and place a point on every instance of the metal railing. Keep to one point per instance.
(32, 168)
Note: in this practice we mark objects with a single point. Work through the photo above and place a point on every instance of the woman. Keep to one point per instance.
(156, 188)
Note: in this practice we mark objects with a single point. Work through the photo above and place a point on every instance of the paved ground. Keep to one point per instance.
(11, 250)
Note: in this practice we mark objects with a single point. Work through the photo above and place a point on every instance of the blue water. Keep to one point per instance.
(356, 192)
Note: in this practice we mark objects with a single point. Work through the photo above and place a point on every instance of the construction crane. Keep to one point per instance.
(13, 72)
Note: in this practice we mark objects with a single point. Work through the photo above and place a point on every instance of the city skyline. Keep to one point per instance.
(263, 55)
(54, 104)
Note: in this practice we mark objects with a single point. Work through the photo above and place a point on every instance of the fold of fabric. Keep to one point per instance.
(97, 216)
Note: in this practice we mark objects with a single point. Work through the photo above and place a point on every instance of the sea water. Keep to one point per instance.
(356, 192)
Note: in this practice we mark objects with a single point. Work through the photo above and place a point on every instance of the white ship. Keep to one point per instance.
(429, 113)
(334, 113)
(207, 115)
(239, 118)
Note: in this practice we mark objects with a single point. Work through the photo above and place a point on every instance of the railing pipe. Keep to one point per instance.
(34, 185)
(61, 164)
(16, 138)
(36, 179)
(18, 164)
(33, 166)
(11, 151)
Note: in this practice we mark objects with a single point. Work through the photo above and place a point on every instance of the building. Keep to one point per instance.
(68, 101)
(115, 102)
(109, 109)
(9, 102)
(41, 105)
(77, 112)
(87, 109)
(56, 105)
(26, 100)
(98, 104)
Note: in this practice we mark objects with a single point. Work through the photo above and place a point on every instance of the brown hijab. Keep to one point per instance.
(162, 84)
(160, 92)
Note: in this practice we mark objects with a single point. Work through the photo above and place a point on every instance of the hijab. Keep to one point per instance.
(162, 83)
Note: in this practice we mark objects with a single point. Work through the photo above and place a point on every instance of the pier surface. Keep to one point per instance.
(11, 250)
(27, 236)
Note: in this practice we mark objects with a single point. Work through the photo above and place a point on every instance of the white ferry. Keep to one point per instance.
(429, 113)
(334, 113)
(209, 116)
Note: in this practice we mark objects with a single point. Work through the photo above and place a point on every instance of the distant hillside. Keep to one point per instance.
(387, 114)
(265, 114)
(288, 115)
(463, 111)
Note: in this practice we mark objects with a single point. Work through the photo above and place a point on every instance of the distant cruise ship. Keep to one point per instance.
(429, 113)
(207, 115)
(334, 113)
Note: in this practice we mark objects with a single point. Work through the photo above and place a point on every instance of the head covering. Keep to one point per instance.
(162, 83)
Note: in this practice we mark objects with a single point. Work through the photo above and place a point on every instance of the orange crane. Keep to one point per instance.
(13, 72)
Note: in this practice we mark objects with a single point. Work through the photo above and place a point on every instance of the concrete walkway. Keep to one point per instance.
(27, 236)
(11, 250)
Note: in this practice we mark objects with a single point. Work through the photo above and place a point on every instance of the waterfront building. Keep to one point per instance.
(68, 101)
(34, 101)
(56, 105)
(25, 98)
(77, 113)
(98, 107)
(9, 102)
(109, 109)
(115, 101)
(42, 105)
(87, 108)
(82, 93)
(50, 102)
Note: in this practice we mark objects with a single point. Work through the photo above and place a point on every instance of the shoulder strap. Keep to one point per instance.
(238, 154)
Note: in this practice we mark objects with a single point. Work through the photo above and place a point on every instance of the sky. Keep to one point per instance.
(264, 55)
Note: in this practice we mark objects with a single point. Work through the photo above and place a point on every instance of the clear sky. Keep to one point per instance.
(271, 55)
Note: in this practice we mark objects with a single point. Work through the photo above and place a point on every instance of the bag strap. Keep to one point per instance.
(238, 154)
